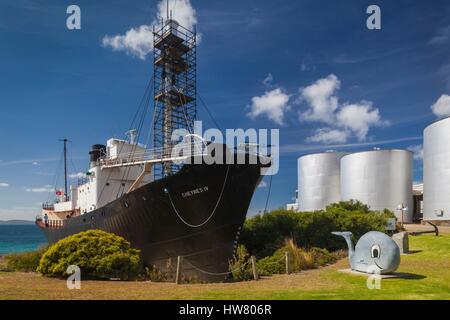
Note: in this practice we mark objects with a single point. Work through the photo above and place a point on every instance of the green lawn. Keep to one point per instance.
(427, 269)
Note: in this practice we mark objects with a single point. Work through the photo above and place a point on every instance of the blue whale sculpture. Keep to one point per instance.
(375, 252)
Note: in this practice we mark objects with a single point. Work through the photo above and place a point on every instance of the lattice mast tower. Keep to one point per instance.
(174, 61)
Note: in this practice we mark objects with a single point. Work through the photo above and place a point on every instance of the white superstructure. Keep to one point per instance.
(104, 182)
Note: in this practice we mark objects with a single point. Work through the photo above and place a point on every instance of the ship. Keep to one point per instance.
(167, 206)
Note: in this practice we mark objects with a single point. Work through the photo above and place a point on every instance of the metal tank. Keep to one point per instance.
(381, 179)
(319, 180)
(436, 171)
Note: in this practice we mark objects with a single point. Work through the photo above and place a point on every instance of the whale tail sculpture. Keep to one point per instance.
(375, 252)
(347, 236)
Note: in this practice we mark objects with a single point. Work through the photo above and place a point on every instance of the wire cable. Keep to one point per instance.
(212, 212)
(268, 194)
(209, 113)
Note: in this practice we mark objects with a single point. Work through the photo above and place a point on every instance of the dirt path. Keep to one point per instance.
(420, 227)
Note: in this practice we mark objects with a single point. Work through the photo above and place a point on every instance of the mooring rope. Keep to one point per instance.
(212, 212)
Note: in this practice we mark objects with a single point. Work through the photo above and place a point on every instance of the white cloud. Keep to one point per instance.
(298, 148)
(268, 80)
(327, 135)
(25, 213)
(262, 184)
(40, 190)
(77, 175)
(441, 36)
(359, 117)
(35, 163)
(321, 99)
(4, 184)
(417, 151)
(138, 41)
(441, 108)
(344, 120)
(272, 104)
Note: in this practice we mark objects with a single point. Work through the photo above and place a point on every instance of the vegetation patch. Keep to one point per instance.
(264, 234)
(240, 266)
(298, 259)
(97, 253)
(24, 262)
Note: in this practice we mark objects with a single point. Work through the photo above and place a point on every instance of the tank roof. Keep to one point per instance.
(436, 121)
(324, 152)
(379, 150)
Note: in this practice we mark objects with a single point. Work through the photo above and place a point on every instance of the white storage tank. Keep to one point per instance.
(319, 180)
(381, 179)
(436, 171)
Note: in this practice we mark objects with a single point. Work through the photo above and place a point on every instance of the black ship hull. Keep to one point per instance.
(196, 213)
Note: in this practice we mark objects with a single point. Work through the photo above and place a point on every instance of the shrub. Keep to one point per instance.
(263, 234)
(154, 274)
(299, 259)
(25, 261)
(240, 265)
(97, 253)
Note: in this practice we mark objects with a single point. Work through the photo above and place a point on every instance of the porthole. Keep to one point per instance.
(107, 184)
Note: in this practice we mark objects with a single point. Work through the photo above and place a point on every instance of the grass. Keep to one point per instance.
(427, 269)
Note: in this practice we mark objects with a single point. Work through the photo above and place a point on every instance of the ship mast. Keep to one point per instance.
(175, 107)
(66, 198)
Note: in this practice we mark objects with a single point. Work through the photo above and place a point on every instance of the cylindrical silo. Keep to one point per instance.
(319, 180)
(436, 171)
(381, 179)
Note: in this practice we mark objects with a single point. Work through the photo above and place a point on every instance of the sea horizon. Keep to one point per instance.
(16, 238)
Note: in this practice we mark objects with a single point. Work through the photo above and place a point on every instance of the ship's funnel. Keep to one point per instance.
(97, 151)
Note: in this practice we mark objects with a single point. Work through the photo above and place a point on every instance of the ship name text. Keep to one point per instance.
(191, 193)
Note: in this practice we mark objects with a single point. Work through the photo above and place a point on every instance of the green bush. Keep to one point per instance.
(299, 259)
(263, 234)
(240, 266)
(24, 261)
(97, 253)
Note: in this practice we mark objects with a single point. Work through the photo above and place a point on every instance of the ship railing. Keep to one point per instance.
(175, 29)
(48, 206)
(166, 154)
(50, 224)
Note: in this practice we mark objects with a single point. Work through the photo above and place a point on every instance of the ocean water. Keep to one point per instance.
(20, 238)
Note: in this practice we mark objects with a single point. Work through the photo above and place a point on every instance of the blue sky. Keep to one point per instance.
(330, 82)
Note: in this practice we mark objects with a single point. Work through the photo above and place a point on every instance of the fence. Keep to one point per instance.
(252, 260)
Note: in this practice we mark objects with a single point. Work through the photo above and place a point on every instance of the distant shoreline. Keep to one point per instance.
(16, 222)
